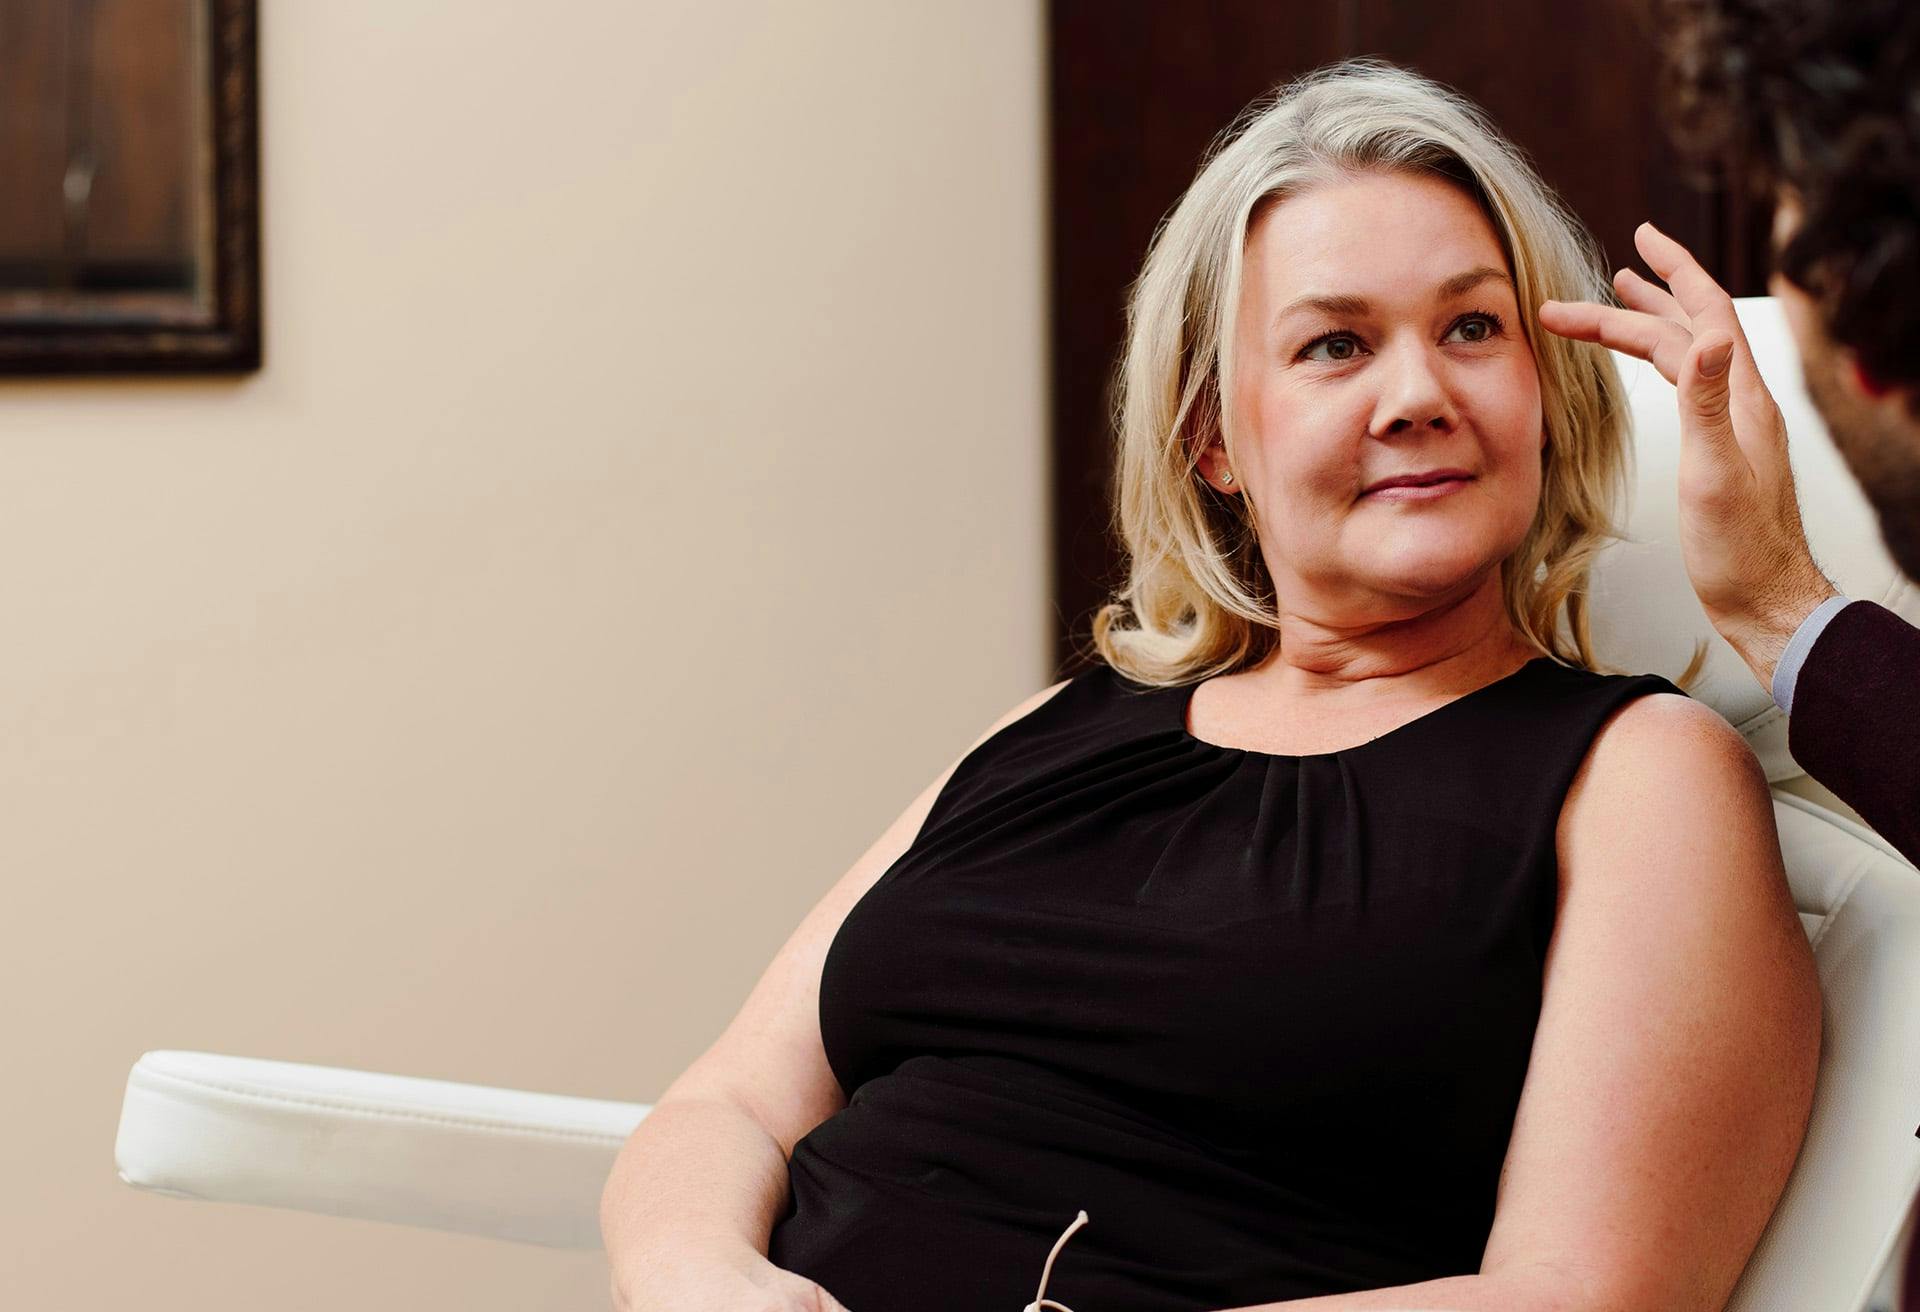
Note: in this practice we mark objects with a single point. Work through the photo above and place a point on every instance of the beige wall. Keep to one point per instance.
(642, 501)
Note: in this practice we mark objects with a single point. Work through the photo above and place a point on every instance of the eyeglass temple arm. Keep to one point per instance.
(1041, 1303)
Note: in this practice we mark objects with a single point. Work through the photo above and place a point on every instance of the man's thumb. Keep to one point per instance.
(1703, 393)
(1715, 351)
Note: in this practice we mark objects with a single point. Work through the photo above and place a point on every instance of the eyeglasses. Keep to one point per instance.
(1041, 1303)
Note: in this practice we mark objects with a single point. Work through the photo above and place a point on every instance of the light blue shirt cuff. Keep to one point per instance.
(1787, 672)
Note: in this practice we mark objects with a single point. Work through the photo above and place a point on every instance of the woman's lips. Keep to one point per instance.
(1431, 492)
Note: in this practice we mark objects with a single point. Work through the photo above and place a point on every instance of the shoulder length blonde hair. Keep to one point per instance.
(1198, 599)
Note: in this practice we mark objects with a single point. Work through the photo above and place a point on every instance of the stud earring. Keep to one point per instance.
(1227, 478)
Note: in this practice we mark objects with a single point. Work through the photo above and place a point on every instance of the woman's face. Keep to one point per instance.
(1378, 335)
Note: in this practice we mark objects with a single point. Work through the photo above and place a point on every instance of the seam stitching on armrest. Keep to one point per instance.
(1859, 832)
(1890, 599)
(375, 1112)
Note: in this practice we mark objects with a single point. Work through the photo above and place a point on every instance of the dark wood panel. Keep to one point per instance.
(1138, 89)
(1575, 86)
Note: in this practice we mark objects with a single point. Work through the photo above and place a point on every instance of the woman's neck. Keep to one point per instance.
(1463, 645)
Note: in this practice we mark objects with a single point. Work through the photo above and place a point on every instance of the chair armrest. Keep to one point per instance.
(1838, 1223)
(500, 1163)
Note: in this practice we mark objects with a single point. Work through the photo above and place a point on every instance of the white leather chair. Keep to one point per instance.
(530, 1166)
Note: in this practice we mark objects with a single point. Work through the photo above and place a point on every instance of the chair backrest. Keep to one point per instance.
(1859, 901)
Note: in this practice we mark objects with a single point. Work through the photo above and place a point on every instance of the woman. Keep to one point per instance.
(1342, 940)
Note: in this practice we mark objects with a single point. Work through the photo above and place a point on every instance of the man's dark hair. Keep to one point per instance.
(1822, 96)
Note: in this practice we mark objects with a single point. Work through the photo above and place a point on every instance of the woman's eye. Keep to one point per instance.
(1476, 327)
(1332, 349)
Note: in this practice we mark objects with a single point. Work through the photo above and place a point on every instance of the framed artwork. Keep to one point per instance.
(130, 219)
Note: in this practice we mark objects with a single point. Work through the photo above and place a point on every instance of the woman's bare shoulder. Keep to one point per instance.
(1665, 763)
(1676, 972)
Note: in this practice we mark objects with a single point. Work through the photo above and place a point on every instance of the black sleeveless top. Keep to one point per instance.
(1265, 1018)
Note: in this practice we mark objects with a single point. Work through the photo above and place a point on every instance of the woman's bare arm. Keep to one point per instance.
(1673, 1066)
(704, 1175)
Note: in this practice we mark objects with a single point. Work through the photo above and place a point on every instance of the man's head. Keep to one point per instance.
(1818, 103)
(1874, 424)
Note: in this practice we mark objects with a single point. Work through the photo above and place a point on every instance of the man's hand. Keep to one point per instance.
(1740, 532)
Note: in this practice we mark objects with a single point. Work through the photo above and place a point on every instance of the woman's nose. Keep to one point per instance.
(1413, 394)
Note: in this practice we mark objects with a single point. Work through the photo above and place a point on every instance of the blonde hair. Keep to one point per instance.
(1198, 599)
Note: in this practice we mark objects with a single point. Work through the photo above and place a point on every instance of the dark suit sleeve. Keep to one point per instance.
(1856, 719)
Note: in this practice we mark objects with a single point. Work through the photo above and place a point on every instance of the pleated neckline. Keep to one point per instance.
(1180, 703)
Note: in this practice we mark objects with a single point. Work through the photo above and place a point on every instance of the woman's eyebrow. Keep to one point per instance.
(1458, 285)
(1337, 306)
(1466, 282)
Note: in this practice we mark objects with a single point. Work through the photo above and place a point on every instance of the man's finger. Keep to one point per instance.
(1639, 294)
(1660, 342)
(1701, 298)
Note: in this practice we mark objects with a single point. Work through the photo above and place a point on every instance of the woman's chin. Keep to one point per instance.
(1433, 576)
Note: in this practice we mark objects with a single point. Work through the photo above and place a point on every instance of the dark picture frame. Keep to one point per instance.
(217, 330)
